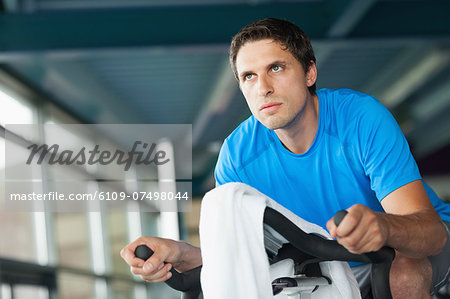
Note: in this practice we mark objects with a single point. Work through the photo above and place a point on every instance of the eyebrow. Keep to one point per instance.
(244, 74)
(278, 62)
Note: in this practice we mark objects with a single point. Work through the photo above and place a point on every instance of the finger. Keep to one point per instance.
(331, 226)
(149, 267)
(127, 254)
(355, 244)
(155, 261)
(159, 276)
(353, 248)
(355, 239)
(348, 224)
(164, 278)
(363, 239)
(136, 270)
(363, 247)
(152, 277)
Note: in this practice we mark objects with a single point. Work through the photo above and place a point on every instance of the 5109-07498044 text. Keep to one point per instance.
(101, 195)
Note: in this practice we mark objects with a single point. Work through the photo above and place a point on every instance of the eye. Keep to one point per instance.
(248, 77)
(277, 68)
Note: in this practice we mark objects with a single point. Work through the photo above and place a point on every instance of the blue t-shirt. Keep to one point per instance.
(359, 155)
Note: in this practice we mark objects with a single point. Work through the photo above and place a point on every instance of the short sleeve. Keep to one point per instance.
(225, 171)
(386, 155)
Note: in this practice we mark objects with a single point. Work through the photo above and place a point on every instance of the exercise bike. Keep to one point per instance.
(301, 257)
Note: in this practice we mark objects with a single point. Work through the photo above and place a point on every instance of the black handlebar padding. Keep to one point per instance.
(143, 252)
(339, 216)
(187, 282)
(330, 250)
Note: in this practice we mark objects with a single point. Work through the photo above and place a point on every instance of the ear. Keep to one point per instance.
(311, 75)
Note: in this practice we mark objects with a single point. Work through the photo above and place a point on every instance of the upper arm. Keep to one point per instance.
(408, 199)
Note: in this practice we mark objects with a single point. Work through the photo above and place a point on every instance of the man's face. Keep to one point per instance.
(273, 83)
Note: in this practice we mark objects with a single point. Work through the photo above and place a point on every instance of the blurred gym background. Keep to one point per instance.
(165, 62)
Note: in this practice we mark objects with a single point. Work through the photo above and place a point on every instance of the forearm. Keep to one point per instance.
(191, 257)
(415, 235)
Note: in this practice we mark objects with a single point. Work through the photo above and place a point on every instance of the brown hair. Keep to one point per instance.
(285, 33)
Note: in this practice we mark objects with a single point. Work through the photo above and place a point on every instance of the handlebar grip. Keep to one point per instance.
(143, 252)
(177, 280)
(339, 216)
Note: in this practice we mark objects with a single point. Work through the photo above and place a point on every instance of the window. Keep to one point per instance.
(14, 111)
(75, 286)
(72, 241)
(15, 227)
(69, 243)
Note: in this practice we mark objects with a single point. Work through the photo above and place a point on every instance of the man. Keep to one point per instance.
(316, 153)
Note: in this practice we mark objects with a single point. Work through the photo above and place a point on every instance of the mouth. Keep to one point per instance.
(269, 107)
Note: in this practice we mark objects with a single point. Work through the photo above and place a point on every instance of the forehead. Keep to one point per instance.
(259, 53)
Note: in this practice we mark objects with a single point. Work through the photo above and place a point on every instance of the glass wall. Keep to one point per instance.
(117, 229)
(16, 229)
(73, 286)
(81, 248)
(72, 240)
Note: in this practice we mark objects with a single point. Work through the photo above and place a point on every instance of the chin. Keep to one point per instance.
(274, 124)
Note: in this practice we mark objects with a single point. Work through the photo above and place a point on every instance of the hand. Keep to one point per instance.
(167, 253)
(362, 230)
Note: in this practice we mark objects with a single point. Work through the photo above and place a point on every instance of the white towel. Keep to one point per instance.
(235, 264)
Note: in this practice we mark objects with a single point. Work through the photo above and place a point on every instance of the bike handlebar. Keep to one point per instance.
(315, 245)
(189, 282)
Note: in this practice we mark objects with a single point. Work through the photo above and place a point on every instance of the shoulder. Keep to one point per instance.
(240, 147)
(349, 109)
(247, 138)
(348, 101)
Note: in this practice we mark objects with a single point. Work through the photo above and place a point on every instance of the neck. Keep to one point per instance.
(298, 136)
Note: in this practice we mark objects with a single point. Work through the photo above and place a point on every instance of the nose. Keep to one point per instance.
(265, 86)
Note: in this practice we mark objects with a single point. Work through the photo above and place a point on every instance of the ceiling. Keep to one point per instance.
(165, 62)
